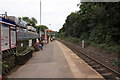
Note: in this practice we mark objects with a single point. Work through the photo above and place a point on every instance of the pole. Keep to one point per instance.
(50, 34)
(40, 21)
(83, 44)
(40, 12)
(46, 36)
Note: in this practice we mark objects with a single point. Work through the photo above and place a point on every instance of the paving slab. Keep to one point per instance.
(48, 63)
(79, 68)
(55, 61)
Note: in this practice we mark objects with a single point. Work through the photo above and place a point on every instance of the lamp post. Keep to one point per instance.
(49, 34)
(46, 35)
(40, 21)
(40, 12)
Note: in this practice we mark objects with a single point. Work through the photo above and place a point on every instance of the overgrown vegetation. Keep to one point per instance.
(96, 23)
(114, 48)
(115, 62)
(26, 50)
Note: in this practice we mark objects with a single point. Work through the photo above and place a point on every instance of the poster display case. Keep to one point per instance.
(7, 34)
(13, 36)
(5, 37)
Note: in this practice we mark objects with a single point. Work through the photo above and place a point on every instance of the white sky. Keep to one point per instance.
(54, 12)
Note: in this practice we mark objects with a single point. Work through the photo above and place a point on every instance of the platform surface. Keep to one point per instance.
(55, 61)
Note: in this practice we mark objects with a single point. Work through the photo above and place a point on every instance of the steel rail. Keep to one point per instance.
(76, 48)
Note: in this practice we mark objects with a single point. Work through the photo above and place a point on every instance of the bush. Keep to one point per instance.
(115, 62)
(72, 39)
(114, 48)
(27, 50)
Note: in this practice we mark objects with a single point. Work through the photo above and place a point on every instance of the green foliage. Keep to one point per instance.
(27, 50)
(31, 21)
(72, 39)
(100, 45)
(115, 62)
(95, 22)
(114, 48)
(41, 27)
(4, 64)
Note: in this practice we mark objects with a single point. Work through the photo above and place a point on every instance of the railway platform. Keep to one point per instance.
(55, 61)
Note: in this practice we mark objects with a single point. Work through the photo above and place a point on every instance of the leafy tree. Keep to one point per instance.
(31, 21)
(97, 22)
(41, 27)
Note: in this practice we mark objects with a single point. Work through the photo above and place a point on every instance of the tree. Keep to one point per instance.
(97, 22)
(31, 21)
(41, 27)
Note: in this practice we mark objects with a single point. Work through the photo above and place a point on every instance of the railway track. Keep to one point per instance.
(105, 71)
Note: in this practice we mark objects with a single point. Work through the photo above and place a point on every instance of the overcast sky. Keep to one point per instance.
(54, 12)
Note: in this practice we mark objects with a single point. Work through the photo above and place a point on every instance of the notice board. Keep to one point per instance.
(13, 36)
(5, 37)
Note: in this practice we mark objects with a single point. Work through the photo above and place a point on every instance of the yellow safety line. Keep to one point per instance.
(74, 69)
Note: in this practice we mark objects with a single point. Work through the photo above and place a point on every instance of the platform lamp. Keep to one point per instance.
(39, 32)
(40, 12)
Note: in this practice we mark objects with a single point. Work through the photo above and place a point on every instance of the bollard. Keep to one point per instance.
(83, 44)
